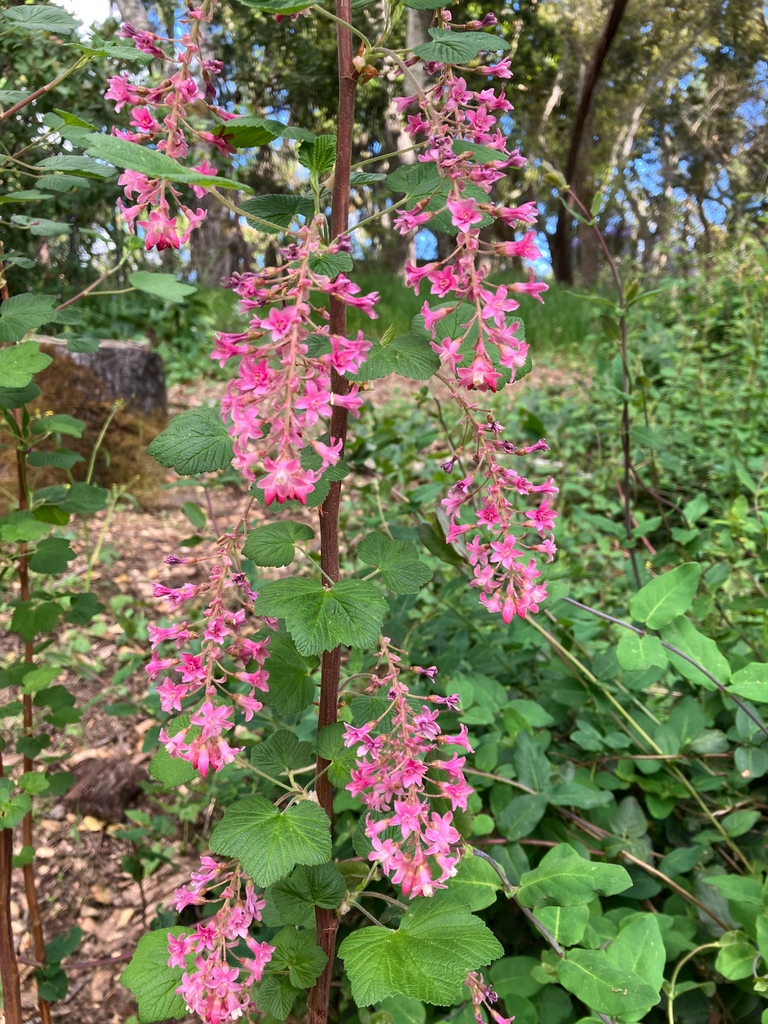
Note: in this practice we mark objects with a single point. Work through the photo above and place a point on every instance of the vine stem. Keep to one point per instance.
(676, 973)
(327, 922)
(9, 966)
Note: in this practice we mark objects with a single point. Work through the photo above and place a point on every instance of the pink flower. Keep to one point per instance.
(286, 480)
(161, 231)
(464, 213)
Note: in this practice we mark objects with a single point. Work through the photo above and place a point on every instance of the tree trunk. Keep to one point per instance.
(562, 263)
(134, 12)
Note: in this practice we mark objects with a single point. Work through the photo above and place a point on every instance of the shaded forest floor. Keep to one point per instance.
(79, 866)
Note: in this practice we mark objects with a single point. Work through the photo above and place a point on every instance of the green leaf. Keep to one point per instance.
(59, 423)
(331, 263)
(638, 653)
(41, 226)
(269, 843)
(365, 178)
(751, 682)
(82, 166)
(291, 688)
(566, 924)
(85, 499)
(62, 458)
(318, 618)
(738, 889)
(274, 544)
(521, 816)
(276, 995)
(438, 942)
(681, 633)
(40, 678)
(152, 981)
(196, 441)
(564, 879)
(639, 947)
(16, 398)
(736, 958)
(738, 823)
(591, 977)
(299, 955)
(52, 556)
(18, 363)
(423, 5)
(319, 155)
(154, 164)
(533, 766)
(475, 883)
(330, 746)
(406, 355)
(448, 47)
(31, 619)
(249, 132)
(82, 608)
(276, 6)
(404, 1009)
(174, 771)
(163, 286)
(401, 569)
(271, 213)
(41, 18)
(282, 752)
(292, 900)
(666, 596)
(22, 527)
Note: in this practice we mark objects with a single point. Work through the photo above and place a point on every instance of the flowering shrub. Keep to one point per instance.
(239, 658)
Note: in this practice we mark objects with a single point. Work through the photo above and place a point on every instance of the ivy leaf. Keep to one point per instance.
(590, 976)
(330, 746)
(298, 953)
(282, 752)
(448, 47)
(42, 18)
(666, 596)
(18, 363)
(521, 816)
(163, 286)
(293, 900)
(438, 942)
(52, 556)
(639, 947)
(401, 569)
(406, 355)
(273, 544)
(638, 653)
(151, 162)
(566, 924)
(270, 843)
(564, 879)
(174, 771)
(194, 442)
(152, 981)
(319, 618)
(18, 316)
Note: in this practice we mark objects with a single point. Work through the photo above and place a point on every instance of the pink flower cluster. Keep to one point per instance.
(203, 671)
(504, 553)
(159, 116)
(218, 986)
(483, 996)
(282, 390)
(466, 145)
(395, 754)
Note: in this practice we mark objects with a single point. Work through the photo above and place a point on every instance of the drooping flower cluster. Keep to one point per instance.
(198, 665)
(159, 116)
(481, 348)
(398, 776)
(216, 984)
(483, 996)
(283, 387)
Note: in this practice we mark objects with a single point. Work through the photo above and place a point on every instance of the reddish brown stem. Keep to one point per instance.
(327, 922)
(27, 837)
(9, 967)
